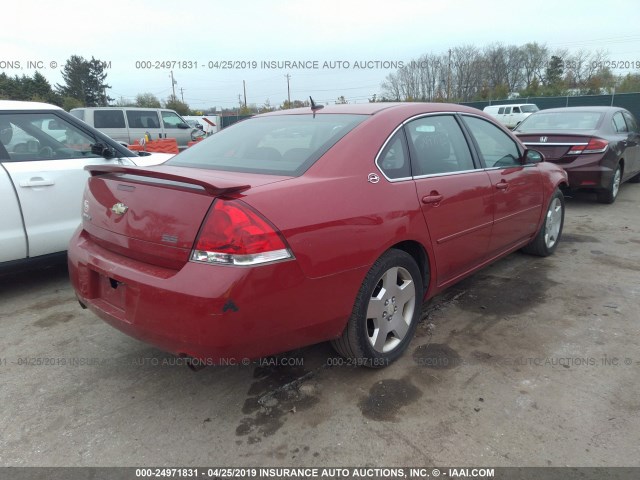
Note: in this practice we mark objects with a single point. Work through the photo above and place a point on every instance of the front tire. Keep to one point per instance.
(610, 194)
(386, 312)
(548, 237)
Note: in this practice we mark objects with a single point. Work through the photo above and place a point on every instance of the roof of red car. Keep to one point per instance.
(372, 108)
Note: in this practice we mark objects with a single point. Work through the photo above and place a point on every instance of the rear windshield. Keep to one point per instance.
(529, 108)
(278, 145)
(560, 121)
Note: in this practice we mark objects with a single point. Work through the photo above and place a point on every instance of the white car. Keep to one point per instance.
(43, 152)
(511, 115)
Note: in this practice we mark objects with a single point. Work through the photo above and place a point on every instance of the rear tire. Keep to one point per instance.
(610, 194)
(386, 312)
(548, 237)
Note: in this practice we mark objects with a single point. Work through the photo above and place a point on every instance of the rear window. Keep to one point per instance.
(560, 121)
(529, 108)
(278, 145)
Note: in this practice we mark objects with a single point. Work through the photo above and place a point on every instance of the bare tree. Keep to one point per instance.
(534, 62)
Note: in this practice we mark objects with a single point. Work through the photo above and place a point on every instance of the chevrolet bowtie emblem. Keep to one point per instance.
(119, 209)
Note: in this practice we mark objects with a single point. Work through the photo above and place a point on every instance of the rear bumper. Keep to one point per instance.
(214, 313)
(587, 171)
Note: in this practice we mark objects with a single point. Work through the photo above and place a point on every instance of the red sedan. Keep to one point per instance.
(307, 225)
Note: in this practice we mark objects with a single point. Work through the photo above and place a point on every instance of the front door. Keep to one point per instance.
(517, 188)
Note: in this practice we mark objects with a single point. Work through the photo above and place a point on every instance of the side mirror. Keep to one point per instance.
(102, 150)
(183, 125)
(532, 156)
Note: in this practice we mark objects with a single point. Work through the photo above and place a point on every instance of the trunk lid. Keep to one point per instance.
(555, 146)
(154, 214)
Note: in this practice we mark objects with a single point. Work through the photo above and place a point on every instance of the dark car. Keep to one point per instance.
(306, 225)
(599, 147)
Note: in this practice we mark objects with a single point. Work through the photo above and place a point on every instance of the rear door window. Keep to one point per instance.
(438, 146)
(631, 122)
(143, 119)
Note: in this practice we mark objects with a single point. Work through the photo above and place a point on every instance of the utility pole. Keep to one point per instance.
(182, 94)
(287, 76)
(173, 84)
(244, 88)
(449, 78)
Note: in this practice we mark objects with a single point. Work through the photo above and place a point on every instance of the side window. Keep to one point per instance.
(619, 124)
(394, 158)
(143, 119)
(171, 120)
(507, 110)
(438, 146)
(516, 109)
(500, 110)
(108, 119)
(42, 136)
(631, 122)
(496, 147)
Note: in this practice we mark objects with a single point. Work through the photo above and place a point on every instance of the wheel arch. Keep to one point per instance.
(421, 257)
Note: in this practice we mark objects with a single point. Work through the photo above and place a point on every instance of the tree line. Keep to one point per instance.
(463, 73)
(497, 71)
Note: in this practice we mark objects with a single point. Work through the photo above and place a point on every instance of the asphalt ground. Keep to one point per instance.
(530, 362)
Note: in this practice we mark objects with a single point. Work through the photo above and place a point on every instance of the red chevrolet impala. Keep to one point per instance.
(307, 225)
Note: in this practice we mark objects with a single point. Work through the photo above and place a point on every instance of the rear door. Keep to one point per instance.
(47, 174)
(517, 187)
(455, 196)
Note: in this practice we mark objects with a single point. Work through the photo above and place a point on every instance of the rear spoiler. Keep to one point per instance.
(166, 173)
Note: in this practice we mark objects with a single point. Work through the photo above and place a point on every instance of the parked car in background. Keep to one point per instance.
(511, 115)
(43, 152)
(128, 124)
(305, 225)
(599, 147)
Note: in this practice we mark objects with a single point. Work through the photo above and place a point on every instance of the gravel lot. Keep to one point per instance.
(531, 362)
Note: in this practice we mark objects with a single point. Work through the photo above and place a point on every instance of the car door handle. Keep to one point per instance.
(502, 185)
(36, 182)
(434, 197)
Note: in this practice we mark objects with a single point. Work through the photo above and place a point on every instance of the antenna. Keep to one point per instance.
(315, 107)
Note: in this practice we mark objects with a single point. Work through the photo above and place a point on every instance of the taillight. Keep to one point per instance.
(595, 145)
(235, 234)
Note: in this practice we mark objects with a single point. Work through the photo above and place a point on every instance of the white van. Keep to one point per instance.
(127, 124)
(511, 115)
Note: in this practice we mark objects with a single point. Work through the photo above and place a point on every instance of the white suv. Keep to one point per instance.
(43, 152)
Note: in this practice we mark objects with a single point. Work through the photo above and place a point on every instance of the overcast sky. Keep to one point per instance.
(124, 31)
